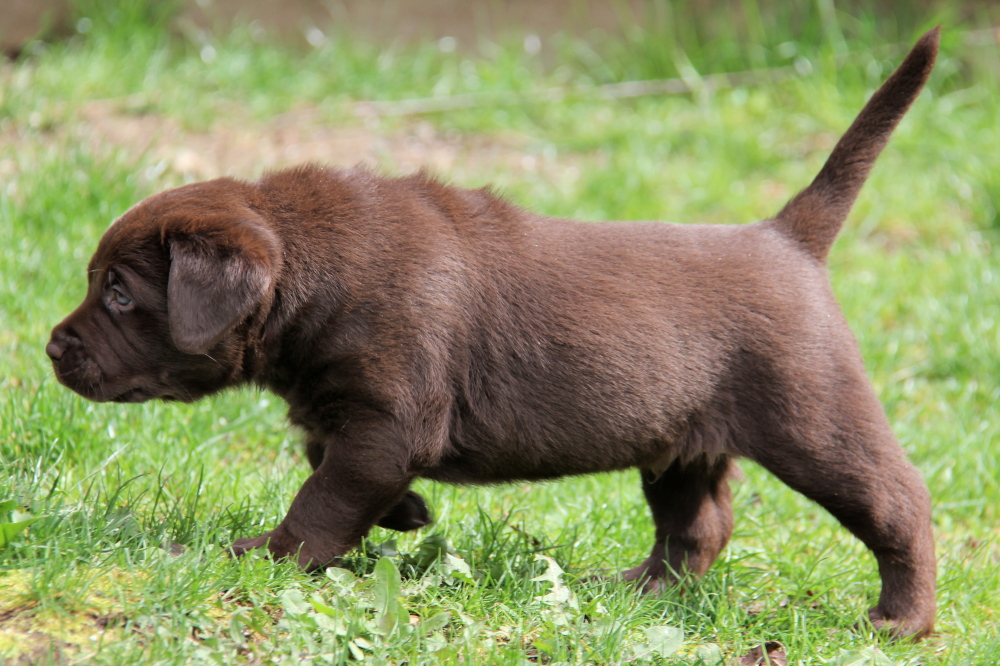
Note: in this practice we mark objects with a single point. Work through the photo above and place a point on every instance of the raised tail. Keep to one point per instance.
(815, 215)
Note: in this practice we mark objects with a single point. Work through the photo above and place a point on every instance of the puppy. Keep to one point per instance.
(420, 330)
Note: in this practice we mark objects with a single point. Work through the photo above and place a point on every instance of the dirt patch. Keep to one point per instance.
(242, 150)
(39, 648)
(30, 647)
(63, 632)
(246, 150)
(8, 615)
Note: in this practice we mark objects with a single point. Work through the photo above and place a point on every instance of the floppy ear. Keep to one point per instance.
(217, 278)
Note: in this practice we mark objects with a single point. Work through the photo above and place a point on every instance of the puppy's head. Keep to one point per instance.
(169, 289)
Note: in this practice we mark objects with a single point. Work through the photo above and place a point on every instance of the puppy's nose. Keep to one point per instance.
(55, 350)
(57, 345)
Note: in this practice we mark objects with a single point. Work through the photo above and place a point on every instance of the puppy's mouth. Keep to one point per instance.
(89, 381)
(138, 394)
(142, 394)
(100, 391)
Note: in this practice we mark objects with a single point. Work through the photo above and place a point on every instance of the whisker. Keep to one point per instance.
(212, 360)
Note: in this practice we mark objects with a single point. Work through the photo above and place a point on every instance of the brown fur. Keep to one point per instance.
(419, 330)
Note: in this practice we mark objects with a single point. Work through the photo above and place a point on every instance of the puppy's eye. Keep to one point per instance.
(120, 298)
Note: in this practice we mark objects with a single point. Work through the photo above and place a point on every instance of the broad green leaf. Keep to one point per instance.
(8, 505)
(341, 578)
(709, 653)
(329, 618)
(435, 642)
(435, 622)
(429, 551)
(10, 530)
(388, 590)
(388, 583)
(664, 640)
(294, 603)
(356, 651)
(552, 571)
(560, 593)
(456, 566)
(320, 607)
(870, 656)
(387, 548)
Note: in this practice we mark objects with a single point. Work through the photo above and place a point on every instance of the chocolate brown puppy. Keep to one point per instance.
(420, 330)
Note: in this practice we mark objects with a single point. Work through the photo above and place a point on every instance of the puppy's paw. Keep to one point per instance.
(409, 513)
(649, 577)
(241, 547)
(912, 627)
(281, 543)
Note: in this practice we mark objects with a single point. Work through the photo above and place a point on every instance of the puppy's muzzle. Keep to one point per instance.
(73, 366)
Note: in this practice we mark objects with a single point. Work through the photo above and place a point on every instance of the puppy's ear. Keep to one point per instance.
(218, 276)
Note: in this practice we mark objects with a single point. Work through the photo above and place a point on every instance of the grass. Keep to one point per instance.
(916, 271)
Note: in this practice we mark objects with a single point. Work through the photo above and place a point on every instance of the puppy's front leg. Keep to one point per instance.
(409, 513)
(360, 479)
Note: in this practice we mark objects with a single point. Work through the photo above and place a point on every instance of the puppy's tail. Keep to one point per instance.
(815, 215)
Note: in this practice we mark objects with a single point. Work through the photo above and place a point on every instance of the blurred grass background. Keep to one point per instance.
(131, 97)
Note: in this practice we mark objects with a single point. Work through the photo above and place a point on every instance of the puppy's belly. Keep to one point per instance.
(476, 469)
(494, 462)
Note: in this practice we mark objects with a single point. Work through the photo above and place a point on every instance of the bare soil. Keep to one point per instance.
(246, 149)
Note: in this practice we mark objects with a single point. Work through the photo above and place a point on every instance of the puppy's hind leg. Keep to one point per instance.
(692, 511)
(845, 457)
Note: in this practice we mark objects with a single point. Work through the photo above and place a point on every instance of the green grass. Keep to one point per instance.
(916, 271)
